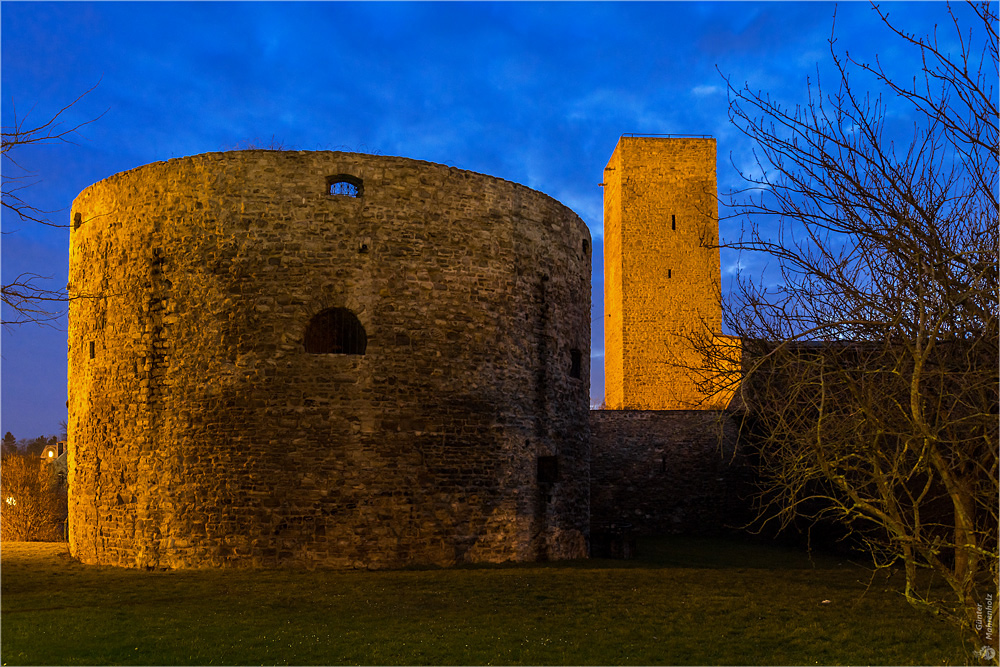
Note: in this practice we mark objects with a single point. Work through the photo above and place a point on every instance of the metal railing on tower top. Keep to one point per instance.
(669, 136)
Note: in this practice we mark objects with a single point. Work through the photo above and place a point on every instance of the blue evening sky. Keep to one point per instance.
(534, 93)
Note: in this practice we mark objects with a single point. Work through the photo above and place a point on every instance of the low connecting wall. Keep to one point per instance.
(664, 471)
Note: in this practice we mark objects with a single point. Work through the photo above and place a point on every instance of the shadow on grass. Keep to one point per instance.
(704, 553)
(682, 601)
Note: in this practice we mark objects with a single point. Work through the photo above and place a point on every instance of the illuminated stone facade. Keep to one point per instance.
(323, 358)
(661, 274)
(663, 455)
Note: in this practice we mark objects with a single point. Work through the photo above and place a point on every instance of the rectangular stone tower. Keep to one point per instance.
(661, 274)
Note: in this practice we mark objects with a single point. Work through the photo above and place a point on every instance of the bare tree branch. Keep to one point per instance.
(26, 299)
(869, 369)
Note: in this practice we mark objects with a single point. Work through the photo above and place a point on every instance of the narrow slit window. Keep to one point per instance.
(670, 273)
(575, 363)
(92, 352)
(344, 186)
(673, 222)
(548, 469)
(335, 331)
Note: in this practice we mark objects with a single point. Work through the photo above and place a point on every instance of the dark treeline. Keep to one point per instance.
(28, 446)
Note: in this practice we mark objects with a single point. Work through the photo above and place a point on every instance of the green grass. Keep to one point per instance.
(684, 601)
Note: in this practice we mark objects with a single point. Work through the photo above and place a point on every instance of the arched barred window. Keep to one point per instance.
(344, 185)
(335, 331)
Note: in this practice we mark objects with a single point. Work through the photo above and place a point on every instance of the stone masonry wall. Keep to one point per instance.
(664, 471)
(201, 433)
(662, 279)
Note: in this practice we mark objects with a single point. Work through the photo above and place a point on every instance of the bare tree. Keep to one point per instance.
(258, 144)
(870, 365)
(26, 298)
(32, 499)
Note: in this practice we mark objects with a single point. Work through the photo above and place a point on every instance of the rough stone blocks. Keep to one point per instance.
(203, 433)
(662, 279)
(667, 471)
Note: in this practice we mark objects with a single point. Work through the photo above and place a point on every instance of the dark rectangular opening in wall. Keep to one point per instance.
(91, 349)
(575, 364)
(548, 469)
(670, 273)
(673, 222)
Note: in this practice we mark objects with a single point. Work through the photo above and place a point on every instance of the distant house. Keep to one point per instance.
(56, 455)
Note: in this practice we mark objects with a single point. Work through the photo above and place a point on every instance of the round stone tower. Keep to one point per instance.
(323, 358)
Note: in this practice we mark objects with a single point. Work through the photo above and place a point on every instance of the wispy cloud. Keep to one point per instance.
(707, 90)
(516, 90)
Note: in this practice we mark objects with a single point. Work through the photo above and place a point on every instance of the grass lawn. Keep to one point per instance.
(683, 602)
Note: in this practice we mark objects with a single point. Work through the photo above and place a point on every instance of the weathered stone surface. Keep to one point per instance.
(201, 433)
(664, 471)
(661, 274)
